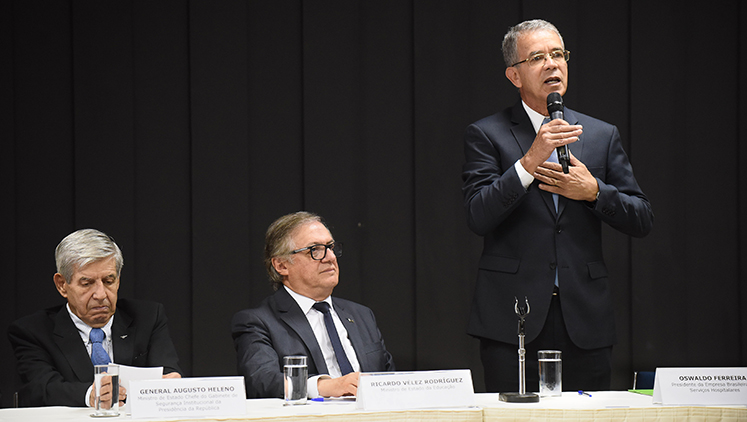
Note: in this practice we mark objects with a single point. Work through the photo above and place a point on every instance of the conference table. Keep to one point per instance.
(603, 406)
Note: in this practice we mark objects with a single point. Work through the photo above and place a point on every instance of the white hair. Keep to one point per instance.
(83, 247)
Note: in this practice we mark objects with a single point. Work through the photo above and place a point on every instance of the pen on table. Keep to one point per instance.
(583, 393)
(317, 399)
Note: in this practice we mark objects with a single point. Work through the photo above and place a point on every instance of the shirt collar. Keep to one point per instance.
(85, 329)
(534, 117)
(305, 303)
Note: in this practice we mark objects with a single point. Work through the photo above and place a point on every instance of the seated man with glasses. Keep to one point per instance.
(339, 338)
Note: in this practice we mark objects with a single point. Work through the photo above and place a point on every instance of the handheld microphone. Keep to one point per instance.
(555, 108)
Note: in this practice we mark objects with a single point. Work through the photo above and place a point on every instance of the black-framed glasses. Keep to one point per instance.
(319, 252)
(556, 55)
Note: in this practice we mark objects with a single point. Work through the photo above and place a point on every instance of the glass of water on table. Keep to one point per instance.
(296, 374)
(550, 373)
(106, 403)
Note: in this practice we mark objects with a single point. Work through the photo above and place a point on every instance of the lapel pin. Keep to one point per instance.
(124, 336)
(351, 320)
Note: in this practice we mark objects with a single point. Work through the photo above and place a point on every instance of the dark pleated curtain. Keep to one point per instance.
(183, 128)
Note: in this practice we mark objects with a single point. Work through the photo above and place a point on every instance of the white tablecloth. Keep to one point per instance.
(605, 406)
(602, 406)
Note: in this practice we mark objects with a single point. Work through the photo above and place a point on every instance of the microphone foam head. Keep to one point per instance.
(554, 102)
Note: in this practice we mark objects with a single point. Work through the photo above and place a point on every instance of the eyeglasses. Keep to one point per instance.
(319, 252)
(556, 55)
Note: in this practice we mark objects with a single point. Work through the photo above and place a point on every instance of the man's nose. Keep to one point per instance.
(329, 256)
(99, 292)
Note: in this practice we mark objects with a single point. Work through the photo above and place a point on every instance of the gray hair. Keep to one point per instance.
(279, 242)
(511, 39)
(83, 247)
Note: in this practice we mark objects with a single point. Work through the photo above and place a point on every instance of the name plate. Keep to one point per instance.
(187, 397)
(415, 390)
(700, 386)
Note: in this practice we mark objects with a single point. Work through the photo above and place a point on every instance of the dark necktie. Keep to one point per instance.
(98, 354)
(342, 358)
(553, 159)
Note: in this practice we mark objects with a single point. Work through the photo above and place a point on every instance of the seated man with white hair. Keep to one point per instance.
(56, 348)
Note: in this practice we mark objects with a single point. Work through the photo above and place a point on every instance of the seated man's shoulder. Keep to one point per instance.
(144, 311)
(138, 305)
(350, 306)
(265, 309)
(39, 318)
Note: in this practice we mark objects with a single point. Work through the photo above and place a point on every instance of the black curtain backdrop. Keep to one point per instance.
(184, 128)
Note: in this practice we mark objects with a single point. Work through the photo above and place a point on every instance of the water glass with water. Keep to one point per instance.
(110, 405)
(296, 374)
(550, 373)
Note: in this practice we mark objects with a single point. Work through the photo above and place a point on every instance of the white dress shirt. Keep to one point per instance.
(536, 119)
(85, 332)
(316, 320)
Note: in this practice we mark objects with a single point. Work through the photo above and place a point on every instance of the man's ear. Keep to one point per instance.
(280, 265)
(513, 75)
(60, 284)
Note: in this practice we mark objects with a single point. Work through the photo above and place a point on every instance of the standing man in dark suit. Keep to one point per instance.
(54, 346)
(301, 259)
(542, 227)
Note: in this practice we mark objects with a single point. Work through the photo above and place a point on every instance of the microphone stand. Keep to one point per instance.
(522, 396)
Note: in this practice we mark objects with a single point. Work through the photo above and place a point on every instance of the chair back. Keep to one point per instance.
(643, 380)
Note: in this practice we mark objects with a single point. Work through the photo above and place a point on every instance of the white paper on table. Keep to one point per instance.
(130, 373)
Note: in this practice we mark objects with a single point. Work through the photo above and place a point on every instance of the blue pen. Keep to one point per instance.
(318, 399)
(583, 393)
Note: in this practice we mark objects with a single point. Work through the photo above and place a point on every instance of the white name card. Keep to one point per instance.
(415, 390)
(187, 397)
(700, 386)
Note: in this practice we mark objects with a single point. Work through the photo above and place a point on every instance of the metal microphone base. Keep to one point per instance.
(519, 398)
(522, 396)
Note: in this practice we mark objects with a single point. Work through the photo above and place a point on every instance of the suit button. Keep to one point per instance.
(553, 265)
(559, 229)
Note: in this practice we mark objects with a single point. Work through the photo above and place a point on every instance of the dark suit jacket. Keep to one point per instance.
(525, 239)
(278, 328)
(55, 366)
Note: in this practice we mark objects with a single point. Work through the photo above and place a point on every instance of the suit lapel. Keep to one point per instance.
(68, 340)
(290, 313)
(523, 130)
(354, 334)
(577, 149)
(123, 337)
(524, 134)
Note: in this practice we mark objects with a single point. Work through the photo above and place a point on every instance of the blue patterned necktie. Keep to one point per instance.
(342, 358)
(98, 354)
